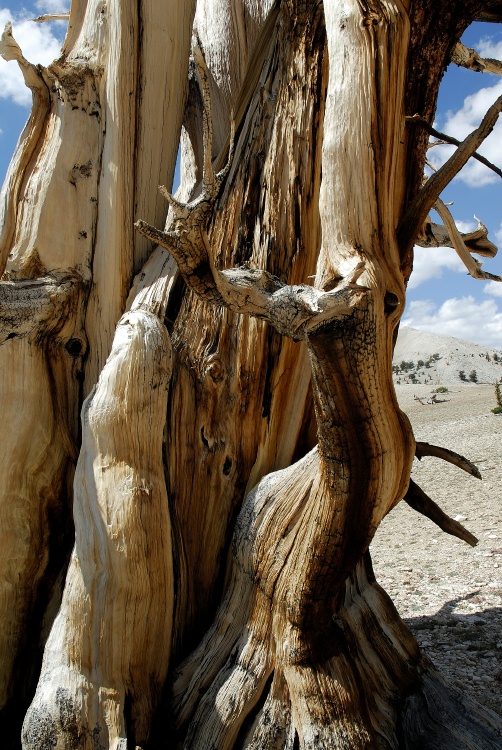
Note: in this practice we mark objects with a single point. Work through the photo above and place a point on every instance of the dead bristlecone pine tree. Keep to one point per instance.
(200, 434)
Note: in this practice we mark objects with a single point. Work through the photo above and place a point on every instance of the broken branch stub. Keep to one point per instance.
(472, 264)
(417, 499)
(468, 58)
(437, 235)
(426, 449)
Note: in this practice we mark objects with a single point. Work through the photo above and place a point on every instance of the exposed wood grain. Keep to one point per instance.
(197, 482)
(108, 652)
(91, 140)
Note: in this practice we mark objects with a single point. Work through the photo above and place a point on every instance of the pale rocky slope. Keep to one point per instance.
(448, 593)
(455, 356)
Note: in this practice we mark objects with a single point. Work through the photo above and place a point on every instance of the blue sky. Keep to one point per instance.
(442, 298)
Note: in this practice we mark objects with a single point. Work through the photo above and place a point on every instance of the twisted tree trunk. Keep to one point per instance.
(197, 482)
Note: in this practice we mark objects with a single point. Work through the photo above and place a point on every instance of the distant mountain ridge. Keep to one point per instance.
(432, 358)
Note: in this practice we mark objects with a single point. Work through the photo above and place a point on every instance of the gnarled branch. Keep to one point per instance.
(472, 265)
(293, 310)
(430, 192)
(422, 503)
(468, 58)
(437, 235)
(426, 449)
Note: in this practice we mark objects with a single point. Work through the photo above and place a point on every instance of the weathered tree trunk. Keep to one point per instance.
(197, 479)
(103, 132)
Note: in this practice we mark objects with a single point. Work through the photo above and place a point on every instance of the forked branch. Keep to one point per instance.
(422, 503)
(430, 192)
(426, 449)
(445, 139)
(294, 311)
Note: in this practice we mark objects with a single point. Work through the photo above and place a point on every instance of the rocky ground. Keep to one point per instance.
(447, 592)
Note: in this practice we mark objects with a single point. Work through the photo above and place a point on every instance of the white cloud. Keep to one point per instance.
(39, 45)
(466, 226)
(429, 262)
(494, 288)
(487, 47)
(462, 122)
(498, 235)
(463, 318)
(53, 6)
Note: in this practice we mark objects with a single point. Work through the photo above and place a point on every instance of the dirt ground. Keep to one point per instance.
(447, 592)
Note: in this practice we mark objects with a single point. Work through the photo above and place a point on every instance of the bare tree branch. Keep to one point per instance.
(469, 58)
(473, 266)
(52, 17)
(430, 192)
(426, 449)
(422, 503)
(448, 139)
(436, 235)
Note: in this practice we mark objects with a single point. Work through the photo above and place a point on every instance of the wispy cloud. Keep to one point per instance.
(430, 262)
(498, 234)
(464, 318)
(462, 122)
(494, 288)
(488, 47)
(39, 43)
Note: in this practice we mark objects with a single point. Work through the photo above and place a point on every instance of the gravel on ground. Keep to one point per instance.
(449, 593)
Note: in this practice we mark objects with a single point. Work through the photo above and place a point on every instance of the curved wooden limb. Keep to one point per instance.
(430, 192)
(109, 646)
(469, 58)
(437, 235)
(473, 266)
(10, 50)
(293, 310)
(422, 503)
(426, 449)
